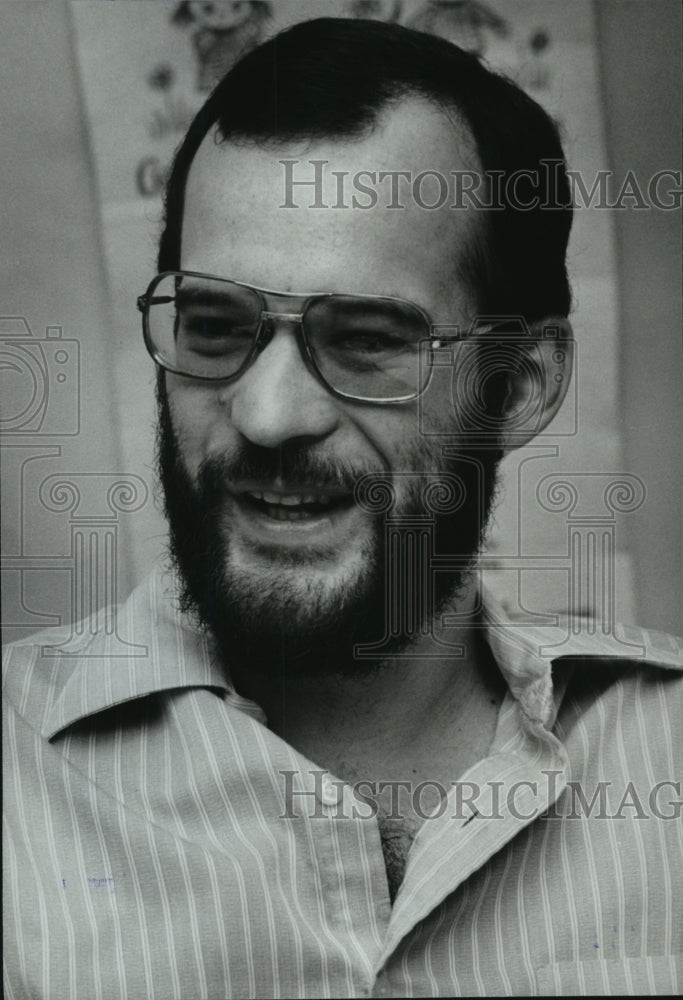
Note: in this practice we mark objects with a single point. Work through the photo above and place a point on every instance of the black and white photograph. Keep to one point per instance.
(341, 382)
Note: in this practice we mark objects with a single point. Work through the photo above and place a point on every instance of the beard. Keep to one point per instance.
(281, 620)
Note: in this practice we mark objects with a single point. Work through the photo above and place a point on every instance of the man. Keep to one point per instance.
(327, 767)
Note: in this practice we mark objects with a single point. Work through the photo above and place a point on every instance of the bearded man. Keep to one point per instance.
(336, 771)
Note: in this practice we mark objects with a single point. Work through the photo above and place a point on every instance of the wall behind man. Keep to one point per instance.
(640, 48)
(56, 333)
(54, 274)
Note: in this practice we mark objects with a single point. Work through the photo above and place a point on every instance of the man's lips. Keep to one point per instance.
(291, 503)
(290, 499)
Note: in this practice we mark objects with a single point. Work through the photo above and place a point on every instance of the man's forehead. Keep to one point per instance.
(245, 208)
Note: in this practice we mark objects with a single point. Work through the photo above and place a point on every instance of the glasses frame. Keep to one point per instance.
(268, 316)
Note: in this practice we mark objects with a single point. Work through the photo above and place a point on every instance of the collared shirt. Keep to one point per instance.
(161, 842)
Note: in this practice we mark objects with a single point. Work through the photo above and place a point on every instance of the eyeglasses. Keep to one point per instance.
(361, 347)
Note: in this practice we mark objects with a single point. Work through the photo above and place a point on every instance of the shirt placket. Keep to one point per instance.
(344, 837)
(524, 773)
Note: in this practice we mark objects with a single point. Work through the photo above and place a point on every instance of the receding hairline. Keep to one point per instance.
(328, 77)
(457, 133)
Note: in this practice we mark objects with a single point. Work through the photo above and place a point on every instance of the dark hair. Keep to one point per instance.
(332, 77)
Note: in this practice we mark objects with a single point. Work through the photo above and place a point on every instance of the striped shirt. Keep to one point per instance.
(161, 842)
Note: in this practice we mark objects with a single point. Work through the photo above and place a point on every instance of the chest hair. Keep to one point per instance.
(397, 837)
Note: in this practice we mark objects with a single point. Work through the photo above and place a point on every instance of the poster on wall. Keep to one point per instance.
(162, 58)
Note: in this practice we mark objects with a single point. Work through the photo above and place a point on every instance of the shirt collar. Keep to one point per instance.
(526, 671)
(156, 647)
(529, 656)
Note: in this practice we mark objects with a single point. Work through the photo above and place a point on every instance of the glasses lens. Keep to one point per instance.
(202, 326)
(367, 347)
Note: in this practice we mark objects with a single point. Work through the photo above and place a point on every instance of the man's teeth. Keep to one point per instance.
(289, 499)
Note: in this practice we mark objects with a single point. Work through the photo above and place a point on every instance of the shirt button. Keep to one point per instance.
(329, 793)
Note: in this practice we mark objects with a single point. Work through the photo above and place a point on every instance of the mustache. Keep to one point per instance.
(292, 465)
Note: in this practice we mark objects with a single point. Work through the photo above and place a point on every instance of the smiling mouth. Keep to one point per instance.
(294, 506)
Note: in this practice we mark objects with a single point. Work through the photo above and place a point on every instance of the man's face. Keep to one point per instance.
(259, 473)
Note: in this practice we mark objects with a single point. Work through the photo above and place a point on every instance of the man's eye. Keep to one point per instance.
(370, 342)
(212, 335)
(203, 328)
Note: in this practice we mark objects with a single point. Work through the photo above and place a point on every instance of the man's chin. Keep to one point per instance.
(304, 616)
(298, 563)
(294, 611)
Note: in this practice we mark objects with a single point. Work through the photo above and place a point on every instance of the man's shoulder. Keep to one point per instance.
(627, 653)
(612, 695)
(632, 666)
(621, 709)
(638, 682)
(553, 635)
(37, 668)
(546, 657)
(118, 654)
(583, 641)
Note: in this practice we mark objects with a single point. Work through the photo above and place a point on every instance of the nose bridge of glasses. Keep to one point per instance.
(273, 320)
(271, 316)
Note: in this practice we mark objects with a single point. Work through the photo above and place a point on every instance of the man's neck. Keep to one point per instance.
(395, 716)
(404, 733)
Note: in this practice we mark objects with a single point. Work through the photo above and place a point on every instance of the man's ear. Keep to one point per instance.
(538, 383)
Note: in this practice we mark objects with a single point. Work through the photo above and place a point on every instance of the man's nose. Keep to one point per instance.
(278, 399)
